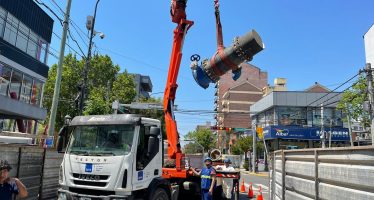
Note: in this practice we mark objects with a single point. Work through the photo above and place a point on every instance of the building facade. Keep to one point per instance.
(369, 45)
(296, 119)
(25, 35)
(143, 86)
(233, 100)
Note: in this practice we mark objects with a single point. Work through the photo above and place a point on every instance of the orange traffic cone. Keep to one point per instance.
(242, 187)
(250, 191)
(259, 196)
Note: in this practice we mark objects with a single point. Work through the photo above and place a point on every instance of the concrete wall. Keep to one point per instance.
(336, 173)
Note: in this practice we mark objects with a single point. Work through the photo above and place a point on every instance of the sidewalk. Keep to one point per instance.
(262, 174)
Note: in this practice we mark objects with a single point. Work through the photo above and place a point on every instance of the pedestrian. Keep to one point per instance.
(208, 179)
(10, 187)
(227, 183)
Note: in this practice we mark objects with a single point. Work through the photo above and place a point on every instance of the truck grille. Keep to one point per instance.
(90, 183)
(91, 177)
(91, 192)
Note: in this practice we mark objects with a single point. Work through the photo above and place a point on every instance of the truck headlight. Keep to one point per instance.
(62, 196)
(61, 175)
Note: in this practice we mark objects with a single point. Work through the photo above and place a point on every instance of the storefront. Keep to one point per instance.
(296, 137)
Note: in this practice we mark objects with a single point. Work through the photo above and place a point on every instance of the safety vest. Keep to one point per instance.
(206, 179)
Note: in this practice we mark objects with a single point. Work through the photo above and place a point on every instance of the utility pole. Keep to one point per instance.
(330, 133)
(254, 146)
(56, 92)
(323, 136)
(369, 79)
(87, 63)
(349, 124)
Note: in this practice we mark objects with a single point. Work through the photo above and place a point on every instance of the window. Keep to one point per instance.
(36, 93)
(10, 33)
(142, 158)
(42, 57)
(5, 74)
(15, 85)
(3, 14)
(32, 44)
(22, 37)
(26, 89)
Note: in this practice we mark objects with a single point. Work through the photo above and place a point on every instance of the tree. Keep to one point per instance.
(352, 101)
(124, 88)
(104, 84)
(204, 137)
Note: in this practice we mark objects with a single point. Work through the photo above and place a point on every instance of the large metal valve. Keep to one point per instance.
(242, 50)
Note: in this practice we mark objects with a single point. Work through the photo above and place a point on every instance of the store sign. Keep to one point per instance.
(306, 133)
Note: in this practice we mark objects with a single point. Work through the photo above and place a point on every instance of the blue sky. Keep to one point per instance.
(306, 41)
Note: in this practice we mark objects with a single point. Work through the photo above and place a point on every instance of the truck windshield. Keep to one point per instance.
(101, 140)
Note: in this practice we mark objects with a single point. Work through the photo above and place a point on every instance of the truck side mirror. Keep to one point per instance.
(155, 131)
(60, 144)
(62, 138)
(153, 141)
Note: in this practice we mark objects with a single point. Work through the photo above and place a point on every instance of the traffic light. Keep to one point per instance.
(221, 128)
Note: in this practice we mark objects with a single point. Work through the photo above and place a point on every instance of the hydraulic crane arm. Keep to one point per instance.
(178, 16)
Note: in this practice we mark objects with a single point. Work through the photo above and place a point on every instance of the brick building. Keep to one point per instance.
(234, 98)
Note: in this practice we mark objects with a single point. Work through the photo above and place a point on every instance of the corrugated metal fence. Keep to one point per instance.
(27, 163)
(336, 173)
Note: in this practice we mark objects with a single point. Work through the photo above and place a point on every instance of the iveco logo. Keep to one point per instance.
(89, 177)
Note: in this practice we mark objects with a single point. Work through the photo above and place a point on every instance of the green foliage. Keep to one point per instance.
(352, 101)
(104, 84)
(204, 137)
(236, 150)
(97, 103)
(192, 148)
(124, 88)
(245, 143)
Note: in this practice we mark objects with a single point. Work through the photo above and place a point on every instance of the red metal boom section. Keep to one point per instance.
(178, 16)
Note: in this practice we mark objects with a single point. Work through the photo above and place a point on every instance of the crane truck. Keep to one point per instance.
(120, 156)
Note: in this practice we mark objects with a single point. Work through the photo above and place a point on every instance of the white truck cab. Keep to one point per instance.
(112, 157)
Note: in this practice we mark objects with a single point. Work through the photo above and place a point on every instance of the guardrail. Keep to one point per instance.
(335, 173)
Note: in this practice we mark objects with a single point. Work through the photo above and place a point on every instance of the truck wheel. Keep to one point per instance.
(159, 194)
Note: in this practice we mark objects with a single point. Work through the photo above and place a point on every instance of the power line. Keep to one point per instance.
(334, 89)
(48, 28)
(139, 61)
(47, 7)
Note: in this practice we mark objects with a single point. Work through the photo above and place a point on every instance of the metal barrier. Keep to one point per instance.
(36, 167)
(335, 173)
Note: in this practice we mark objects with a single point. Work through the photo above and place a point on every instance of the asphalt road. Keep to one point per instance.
(258, 180)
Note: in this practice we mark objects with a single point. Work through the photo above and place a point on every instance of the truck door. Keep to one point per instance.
(147, 165)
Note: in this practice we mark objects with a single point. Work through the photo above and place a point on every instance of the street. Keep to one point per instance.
(258, 180)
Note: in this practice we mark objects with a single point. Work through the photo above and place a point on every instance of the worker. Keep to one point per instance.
(227, 183)
(208, 179)
(10, 186)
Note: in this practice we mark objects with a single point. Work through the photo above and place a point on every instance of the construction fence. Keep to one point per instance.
(333, 173)
(36, 167)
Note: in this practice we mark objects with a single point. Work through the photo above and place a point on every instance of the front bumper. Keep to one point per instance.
(67, 195)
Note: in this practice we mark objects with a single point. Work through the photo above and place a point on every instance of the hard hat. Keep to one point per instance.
(5, 165)
(208, 158)
(227, 160)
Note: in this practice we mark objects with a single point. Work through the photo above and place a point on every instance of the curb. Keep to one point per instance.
(262, 174)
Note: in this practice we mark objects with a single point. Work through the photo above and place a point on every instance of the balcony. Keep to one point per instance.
(146, 83)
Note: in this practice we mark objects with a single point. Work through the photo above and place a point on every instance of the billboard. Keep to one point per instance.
(369, 46)
(304, 133)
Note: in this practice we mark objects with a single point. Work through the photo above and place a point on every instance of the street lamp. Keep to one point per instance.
(90, 25)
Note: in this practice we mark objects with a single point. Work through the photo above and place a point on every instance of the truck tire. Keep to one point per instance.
(159, 194)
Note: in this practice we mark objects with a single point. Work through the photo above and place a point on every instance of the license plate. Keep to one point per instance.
(88, 168)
